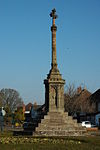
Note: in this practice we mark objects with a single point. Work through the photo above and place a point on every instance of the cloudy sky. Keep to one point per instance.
(25, 44)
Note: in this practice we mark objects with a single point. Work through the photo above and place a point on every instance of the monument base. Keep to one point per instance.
(59, 124)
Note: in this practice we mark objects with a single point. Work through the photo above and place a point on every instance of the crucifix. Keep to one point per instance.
(53, 15)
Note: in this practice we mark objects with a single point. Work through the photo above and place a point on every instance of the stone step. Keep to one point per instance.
(68, 117)
(46, 117)
(52, 121)
(48, 127)
(70, 120)
(62, 121)
(48, 122)
(64, 127)
(57, 113)
(58, 117)
(55, 129)
(61, 133)
(65, 113)
(58, 126)
(79, 124)
(57, 123)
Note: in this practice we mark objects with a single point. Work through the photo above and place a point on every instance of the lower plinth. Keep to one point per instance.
(59, 124)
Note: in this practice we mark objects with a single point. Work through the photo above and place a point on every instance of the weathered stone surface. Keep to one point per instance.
(56, 122)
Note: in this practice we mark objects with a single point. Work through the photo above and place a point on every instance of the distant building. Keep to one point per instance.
(28, 107)
(34, 111)
(83, 94)
(95, 98)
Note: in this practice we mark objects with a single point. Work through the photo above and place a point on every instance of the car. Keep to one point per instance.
(86, 124)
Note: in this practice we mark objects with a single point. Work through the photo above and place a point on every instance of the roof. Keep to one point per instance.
(95, 97)
(82, 100)
(28, 106)
(35, 106)
(84, 94)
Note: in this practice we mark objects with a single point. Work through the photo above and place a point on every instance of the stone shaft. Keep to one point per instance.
(53, 30)
(54, 57)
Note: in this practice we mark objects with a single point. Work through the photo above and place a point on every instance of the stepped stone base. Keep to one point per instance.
(59, 124)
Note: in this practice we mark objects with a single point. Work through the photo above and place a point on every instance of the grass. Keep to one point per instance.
(9, 142)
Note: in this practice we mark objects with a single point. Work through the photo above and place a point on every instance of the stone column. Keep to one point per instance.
(53, 30)
(54, 57)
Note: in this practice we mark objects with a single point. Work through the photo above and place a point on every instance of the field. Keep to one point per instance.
(9, 142)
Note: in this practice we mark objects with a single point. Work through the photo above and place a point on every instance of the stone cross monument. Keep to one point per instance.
(54, 84)
(56, 122)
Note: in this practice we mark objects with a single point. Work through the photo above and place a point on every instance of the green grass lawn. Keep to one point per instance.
(9, 142)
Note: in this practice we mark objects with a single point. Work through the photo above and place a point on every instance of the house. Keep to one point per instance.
(95, 99)
(34, 111)
(82, 100)
(28, 107)
(94, 115)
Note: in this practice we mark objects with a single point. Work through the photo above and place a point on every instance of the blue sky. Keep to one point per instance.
(25, 44)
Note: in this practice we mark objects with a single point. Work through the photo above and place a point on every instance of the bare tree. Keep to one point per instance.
(11, 99)
(69, 98)
(77, 100)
